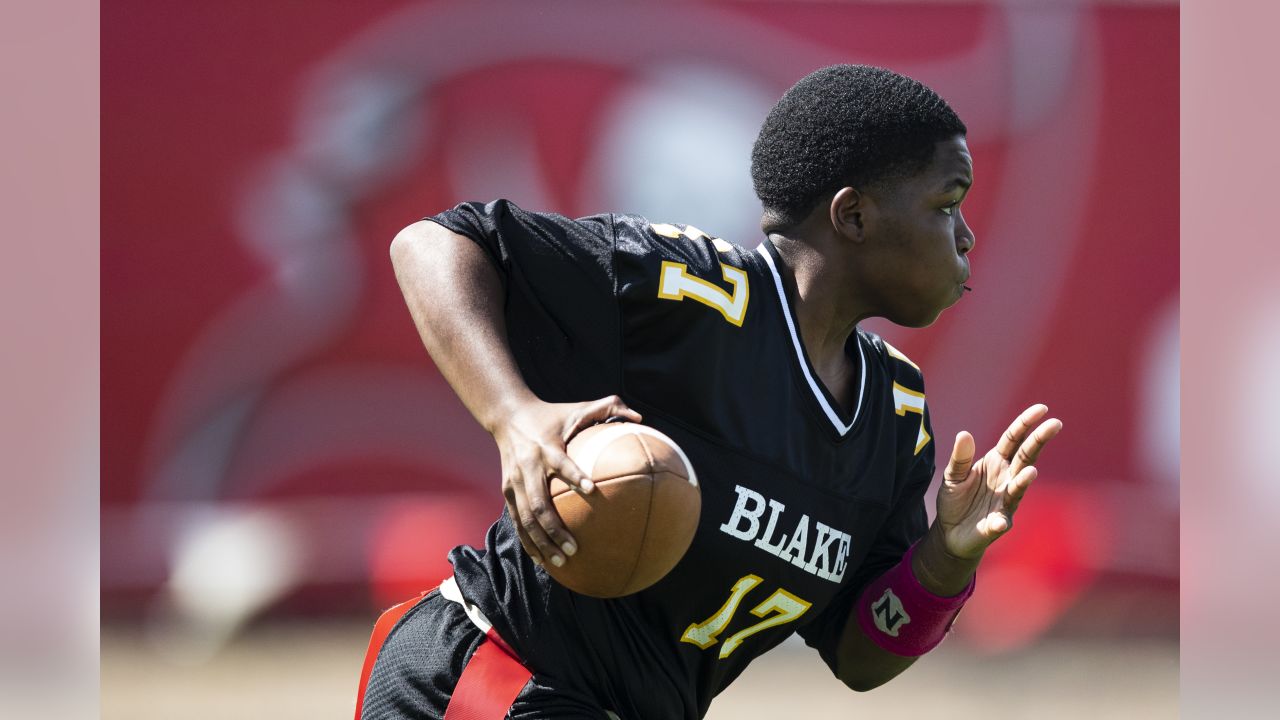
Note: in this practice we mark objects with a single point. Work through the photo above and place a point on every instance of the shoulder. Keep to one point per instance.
(507, 221)
(658, 261)
(904, 389)
(640, 237)
(898, 369)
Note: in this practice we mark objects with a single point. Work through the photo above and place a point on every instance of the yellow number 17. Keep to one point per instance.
(779, 608)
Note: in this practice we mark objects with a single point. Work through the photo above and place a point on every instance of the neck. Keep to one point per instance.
(826, 318)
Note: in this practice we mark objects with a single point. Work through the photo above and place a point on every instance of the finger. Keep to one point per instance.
(995, 524)
(1029, 451)
(619, 409)
(513, 512)
(1018, 431)
(961, 458)
(1017, 487)
(529, 548)
(544, 514)
(527, 519)
(563, 467)
(598, 411)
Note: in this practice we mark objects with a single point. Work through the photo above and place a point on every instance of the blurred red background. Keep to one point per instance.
(272, 427)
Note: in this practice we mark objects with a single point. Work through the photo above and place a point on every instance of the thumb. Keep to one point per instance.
(961, 458)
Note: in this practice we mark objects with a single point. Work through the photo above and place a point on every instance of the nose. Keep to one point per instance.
(965, 239)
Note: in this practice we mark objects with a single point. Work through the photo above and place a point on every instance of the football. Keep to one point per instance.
(640, 519)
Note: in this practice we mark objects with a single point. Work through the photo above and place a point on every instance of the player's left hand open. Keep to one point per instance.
(977, 500)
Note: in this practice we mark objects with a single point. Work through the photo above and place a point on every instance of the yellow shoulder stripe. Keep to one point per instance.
(895, 352)
(689, 232)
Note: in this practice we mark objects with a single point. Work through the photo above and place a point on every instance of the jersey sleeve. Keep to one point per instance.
(557, 255)
(906, 523)
(561, 307)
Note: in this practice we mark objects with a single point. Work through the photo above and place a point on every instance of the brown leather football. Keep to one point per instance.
(638, 522)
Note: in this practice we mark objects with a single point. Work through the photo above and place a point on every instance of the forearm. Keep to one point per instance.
(864, 665)
(456, 299)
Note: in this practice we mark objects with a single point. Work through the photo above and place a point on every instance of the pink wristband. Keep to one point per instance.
(904, 618)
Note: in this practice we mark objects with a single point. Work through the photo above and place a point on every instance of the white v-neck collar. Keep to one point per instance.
(818, 393)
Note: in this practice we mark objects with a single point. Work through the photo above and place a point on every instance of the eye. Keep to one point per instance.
(951, 209)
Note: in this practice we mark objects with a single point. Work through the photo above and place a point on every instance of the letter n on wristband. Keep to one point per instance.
(904, 618)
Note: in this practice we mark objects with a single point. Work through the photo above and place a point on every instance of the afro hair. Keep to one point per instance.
(844, 125)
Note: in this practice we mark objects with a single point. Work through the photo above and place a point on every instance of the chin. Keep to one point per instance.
(925, 313)
(916, 321)
(920, 318)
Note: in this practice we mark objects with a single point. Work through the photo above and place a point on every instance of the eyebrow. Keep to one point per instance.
(957, 181)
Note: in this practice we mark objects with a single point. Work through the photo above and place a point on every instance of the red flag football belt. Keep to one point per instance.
(490, 680)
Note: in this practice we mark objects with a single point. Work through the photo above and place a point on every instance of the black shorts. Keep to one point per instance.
(424, 655)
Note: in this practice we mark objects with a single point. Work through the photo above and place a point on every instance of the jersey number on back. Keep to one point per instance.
(780, 607)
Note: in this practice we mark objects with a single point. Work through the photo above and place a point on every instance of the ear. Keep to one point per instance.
(848, 213)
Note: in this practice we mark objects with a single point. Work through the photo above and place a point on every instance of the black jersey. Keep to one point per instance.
(802, 503)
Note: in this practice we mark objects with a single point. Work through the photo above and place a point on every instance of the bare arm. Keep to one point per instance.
(456, 298)
(863, 664)
(975, 508)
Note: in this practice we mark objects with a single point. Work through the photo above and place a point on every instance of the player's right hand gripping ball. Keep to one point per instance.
(640, 519)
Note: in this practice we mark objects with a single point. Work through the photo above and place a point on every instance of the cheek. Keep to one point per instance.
(935, 267)
(941, 249)
(932, 247)
(918, 263)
